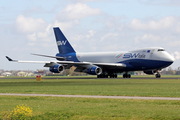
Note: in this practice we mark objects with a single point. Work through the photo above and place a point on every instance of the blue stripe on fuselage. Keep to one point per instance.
(142, 64)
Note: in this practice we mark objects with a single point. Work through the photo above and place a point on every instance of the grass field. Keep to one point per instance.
(116, 87)
(90, 108)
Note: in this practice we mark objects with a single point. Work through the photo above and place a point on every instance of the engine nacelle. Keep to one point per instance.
(56, 68)
(94, 70)
(150, 72)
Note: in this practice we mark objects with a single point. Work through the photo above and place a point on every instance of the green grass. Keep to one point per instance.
(91, 108)
(115, 87)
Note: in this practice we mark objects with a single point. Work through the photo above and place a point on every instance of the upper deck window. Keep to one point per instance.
(161, 50)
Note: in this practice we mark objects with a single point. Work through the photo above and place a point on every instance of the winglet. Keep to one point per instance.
(9, 58)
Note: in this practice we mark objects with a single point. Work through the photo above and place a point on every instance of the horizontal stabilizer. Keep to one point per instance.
(59, 58)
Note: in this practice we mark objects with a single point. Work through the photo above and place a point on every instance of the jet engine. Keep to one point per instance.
(150, 72)
(94, 70)
(56, 68)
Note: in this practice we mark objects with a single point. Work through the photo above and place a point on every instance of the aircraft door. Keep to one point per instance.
(151, 53)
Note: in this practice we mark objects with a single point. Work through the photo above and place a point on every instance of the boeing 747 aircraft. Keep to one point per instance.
(104, 64)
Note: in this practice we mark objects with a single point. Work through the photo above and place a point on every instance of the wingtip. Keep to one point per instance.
(9, 58)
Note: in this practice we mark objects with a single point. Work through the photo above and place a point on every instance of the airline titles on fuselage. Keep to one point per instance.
(131, 55)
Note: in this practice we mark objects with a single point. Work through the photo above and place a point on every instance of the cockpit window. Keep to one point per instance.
(161, 50)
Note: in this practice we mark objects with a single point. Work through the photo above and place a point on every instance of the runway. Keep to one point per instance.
(93, 96)
(112, 78)
(89, 78)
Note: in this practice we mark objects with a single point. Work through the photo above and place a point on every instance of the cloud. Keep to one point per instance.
(108, 35)
(178, 27)
(174, 43)
(159, 38)
(111, 48)
(150, 37)
(45, 32)
(84, 37)
(176, 55)
(66, 24)
(163, 23)
(77, 11)
(29, 24)
(32, 37)
(161, 2)
(91, 33)
(71, 15)
(34, 29)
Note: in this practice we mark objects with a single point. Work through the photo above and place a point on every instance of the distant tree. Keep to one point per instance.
(163, 71)
(178, 71)
(170, 70)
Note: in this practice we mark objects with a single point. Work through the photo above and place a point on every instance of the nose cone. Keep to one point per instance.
(171, 59)
(168, 58)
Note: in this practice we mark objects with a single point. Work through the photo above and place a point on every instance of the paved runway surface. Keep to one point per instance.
(91, 78)
(94, 96)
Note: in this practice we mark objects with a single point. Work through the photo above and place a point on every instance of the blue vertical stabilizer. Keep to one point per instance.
(64, 46)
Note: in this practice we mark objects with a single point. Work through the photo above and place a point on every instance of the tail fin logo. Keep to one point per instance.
(59, 43)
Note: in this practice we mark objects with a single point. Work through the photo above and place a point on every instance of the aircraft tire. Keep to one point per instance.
(129, 76)
(126, 75)
(116, 76)
(113, 75)
(158, 75)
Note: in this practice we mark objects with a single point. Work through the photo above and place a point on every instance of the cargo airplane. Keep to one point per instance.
(105, 64)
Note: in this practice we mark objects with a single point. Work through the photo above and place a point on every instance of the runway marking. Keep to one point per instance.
(93, 96)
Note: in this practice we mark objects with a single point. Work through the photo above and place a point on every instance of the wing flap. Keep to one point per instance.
(120, 65)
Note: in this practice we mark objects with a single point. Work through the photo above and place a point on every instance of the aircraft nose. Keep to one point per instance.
(170, 58)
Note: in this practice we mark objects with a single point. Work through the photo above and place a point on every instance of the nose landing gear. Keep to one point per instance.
(158, 75)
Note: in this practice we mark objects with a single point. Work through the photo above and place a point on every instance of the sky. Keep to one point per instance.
(26, 26)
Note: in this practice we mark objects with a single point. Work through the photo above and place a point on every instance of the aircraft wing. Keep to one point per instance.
(21, 61)
(51, 63)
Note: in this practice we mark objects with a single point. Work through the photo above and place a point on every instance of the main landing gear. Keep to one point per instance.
(126, 75)
(106, 76)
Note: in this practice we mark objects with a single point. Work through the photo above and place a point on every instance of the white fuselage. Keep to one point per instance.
(119, 56)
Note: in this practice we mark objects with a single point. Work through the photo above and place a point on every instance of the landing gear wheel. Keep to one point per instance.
(158, 75)
(113, 76)
(126, 75)
(102, 76)
(116, 76)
